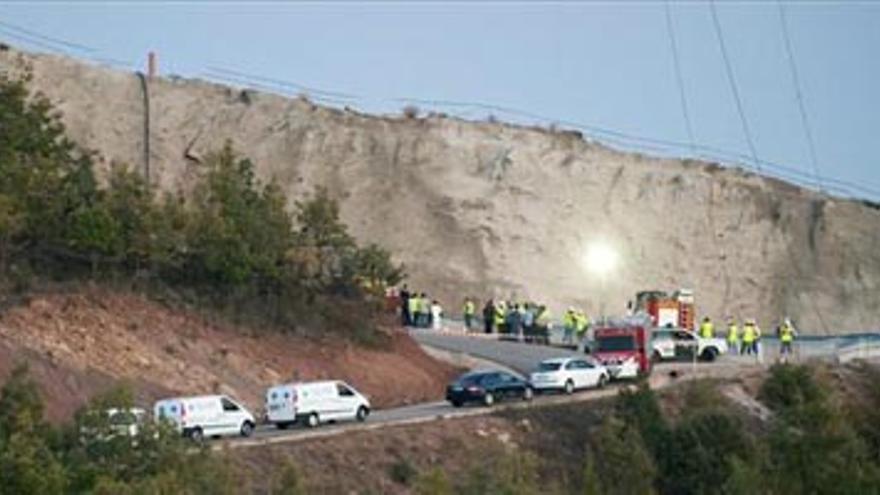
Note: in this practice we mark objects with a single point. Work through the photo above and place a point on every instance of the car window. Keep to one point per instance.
(505, 378)
(584, 365)
(228, 405)
(344, 391)
(489, 379)
(549, 366)
(684, 336)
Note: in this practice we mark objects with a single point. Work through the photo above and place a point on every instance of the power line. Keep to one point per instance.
(733, 87)
(670, 28)
(45, 38)
(797, 91)
(301, 87)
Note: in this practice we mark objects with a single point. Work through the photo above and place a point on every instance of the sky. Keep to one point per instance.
(604, 67)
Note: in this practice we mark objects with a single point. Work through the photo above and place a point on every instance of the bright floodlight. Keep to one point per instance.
(600, 259)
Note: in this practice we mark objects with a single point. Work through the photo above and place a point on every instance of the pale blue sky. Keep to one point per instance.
(597, 64)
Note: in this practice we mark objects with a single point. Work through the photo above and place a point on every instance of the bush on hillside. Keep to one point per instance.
(232, 243)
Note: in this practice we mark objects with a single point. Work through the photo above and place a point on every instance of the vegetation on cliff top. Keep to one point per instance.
(230, 244)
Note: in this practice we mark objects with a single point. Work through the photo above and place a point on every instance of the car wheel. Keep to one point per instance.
(709, 354)
(312, 420)
(488, 399)
(528, 394)
(569, 387)
(457, 403)
(656, 357)
(362, 413)
(247, 429)
(603, 380)
(197, 435)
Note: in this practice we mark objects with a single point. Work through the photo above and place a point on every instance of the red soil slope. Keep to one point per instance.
(81, 343)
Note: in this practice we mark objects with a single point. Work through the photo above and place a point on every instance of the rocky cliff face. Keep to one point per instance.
(491, 209)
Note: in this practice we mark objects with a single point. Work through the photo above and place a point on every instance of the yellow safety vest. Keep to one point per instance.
(707, 330)
(413, 305)
(749, 333)
(732, 333)
(786, 334)
(469, 308)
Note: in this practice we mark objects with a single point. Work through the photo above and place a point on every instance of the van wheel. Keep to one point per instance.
(312, 420)
(247, 429)
(488, 399)
(362, 413)
(196, 435)
(569, 387)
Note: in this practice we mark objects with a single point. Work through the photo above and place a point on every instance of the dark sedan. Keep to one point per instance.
(487, 388)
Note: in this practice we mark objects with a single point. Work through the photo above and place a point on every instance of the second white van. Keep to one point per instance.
(312, 403)
(205, 416)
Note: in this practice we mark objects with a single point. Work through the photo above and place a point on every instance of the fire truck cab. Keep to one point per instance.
(624, 347)
(668, 310)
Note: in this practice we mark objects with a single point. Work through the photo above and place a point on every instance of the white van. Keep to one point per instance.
(205, 416)
(314, 402)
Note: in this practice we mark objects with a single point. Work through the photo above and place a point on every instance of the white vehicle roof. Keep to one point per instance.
(560, 360)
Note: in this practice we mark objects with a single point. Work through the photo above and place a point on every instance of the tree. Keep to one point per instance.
(624, 463)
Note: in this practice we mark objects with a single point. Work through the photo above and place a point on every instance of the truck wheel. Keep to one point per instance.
(362, 413)
(312, 420)
(282, 425)
(656, 357)
(247, 429)
(196, 435)
(709, 354)
(569, 387)
(488, 399)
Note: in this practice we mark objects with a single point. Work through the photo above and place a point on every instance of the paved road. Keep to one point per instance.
(520, 357)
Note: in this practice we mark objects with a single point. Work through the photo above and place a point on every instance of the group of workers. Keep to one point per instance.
(418, 310)
(747, 341)
(526, 320)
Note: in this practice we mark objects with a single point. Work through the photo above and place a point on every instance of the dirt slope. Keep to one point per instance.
(83, 342)
(486, 208)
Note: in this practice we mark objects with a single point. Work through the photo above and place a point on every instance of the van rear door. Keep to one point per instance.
(281, 403)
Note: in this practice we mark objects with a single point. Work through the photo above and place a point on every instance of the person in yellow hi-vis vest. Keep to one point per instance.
(749, 338)
(732, 336)
(787, 333)
(707, 328)
(470, 309)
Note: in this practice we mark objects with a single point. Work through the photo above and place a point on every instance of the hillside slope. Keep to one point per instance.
(492, 209)
(78, 343)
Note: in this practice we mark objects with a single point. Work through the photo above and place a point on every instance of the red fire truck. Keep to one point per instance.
(668, 310)
(624, 347)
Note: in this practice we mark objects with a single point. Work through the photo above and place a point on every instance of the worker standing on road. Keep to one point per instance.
(568, 324)
(470, 309)
(488, 316)
(787, 333)
(405, 318)
(436, 315)
(707, 328)
(732, 336)
(500, 315)
(413, 309)
(749, 338)
(542, 325)
(424, 319)
(581, 324)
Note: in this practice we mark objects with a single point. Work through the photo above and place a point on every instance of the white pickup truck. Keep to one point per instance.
(678, 343)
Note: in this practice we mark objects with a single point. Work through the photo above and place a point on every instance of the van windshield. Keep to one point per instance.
(616, 344)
